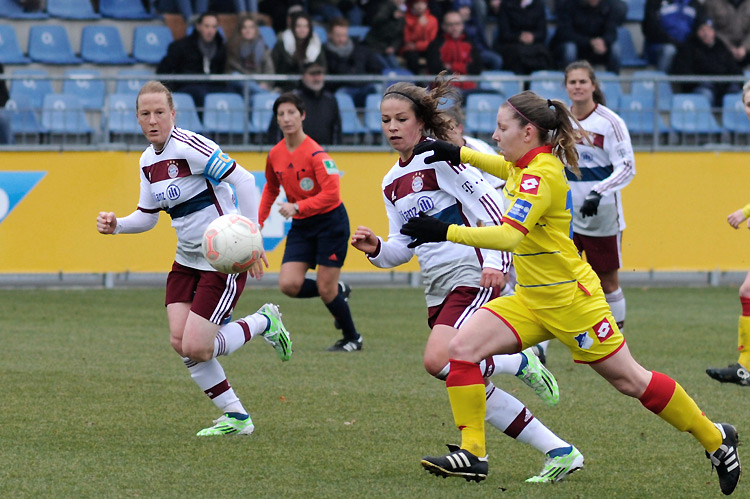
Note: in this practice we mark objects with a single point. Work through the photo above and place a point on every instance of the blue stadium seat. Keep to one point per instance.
(350, 123)
(50, 44)
(103, 45)
(23, 116)
(10, 50)
(11, 9)
(636, 9)
(268, 34)
(123, 9)
(261, 111)
(504, 88)
(610, 86)
(135, 80)
(187, 114)
(64, 114)
(629, 57)
(87, 85)
(72, 9)
(34, 84)
(321, 32)
(224, 112)
(358, 33)
(373, 118)
(481, 112)
(547, 82)
(733, 115)
(150, 43)
(650, 82)
(691, 114)
(121, 115)
(639, 115)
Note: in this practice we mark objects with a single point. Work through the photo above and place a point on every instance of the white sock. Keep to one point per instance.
(232, 336)
(501, 364)
(509, 415)
(543, 345)
(210, 377)
(616, 300)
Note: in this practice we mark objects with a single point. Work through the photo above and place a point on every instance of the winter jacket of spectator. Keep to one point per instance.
(282, 54)
(462, 56)
(322, 119)
(184, 56)
(696, 58)
(360, 60)
(732, 23)
(419, 34)
(514, 19)
(257, 62)
(579, 22)
(385, 30)
(652, 28)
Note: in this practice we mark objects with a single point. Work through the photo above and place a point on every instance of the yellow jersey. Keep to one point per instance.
(537, 228)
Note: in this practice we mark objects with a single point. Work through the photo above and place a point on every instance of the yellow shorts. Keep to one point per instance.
(586, 326)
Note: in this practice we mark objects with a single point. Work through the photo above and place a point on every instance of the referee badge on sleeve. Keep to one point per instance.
(330, 167)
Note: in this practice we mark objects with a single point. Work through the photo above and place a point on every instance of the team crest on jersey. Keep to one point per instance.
(417, 182)
(172, 169)
(529, 184)
(584, 340)
(330, 166)
(603, 330)
(306, 184)
(520, 210)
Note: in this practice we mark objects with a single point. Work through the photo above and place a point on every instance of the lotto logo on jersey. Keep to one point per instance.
(520, 210)
(603, 330)
(529, 184)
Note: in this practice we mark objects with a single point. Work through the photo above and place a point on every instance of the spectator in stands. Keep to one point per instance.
(387, 32)
(475, 32)
(454, 52)
(731, 20)
(202, 52)
(705, 54)
(587, 29)
(420, 28)
(522, 35)
(324, 121)
(278, 12)
(189, 9)
(6, 134)
(666, 25)
(347, 57)
(32, 5)
(297, 46)
(248, 54)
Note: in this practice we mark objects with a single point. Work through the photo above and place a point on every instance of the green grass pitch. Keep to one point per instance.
(96, 404)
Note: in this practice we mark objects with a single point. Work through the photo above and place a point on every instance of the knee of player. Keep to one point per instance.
(460, 349)
(197, 353)
(289, 289)
(436, 367)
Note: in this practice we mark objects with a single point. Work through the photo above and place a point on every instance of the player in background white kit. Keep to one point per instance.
(607, 165)
(189, 177)
(458, 279)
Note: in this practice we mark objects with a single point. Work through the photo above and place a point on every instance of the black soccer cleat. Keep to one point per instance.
(459, 463)
(726, 460)
(345, 290)
(344, 345)
(735, 373)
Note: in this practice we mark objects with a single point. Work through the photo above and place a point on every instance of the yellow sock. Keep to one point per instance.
(466, 393)
(666, 398)
(743, 340)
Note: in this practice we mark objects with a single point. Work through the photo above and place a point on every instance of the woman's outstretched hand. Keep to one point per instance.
(442, 151)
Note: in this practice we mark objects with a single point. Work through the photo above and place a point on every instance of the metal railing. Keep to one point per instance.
(102, 115)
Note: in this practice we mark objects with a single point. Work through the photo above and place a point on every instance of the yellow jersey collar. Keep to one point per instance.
(529, 156)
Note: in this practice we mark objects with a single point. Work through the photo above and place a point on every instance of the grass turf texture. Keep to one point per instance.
(96, 404)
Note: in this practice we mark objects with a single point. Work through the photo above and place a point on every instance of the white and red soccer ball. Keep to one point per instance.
(232, 244)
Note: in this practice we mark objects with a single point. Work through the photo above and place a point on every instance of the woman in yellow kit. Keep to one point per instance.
(557, 294)
(739, 372)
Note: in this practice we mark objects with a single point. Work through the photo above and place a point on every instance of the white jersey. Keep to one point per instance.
(606, 167)
(184, 179)
(454, 194)
(482, 146)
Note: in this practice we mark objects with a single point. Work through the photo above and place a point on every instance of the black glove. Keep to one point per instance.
(590, 204)
(443, 151)
(425, 229)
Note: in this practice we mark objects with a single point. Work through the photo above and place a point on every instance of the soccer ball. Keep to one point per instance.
(232, 244)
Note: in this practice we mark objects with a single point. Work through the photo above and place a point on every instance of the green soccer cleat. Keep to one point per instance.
(557, 468)
(276, 334)
(228, 424)
(539, 379)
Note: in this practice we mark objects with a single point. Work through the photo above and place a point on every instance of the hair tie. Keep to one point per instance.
(549, 103)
